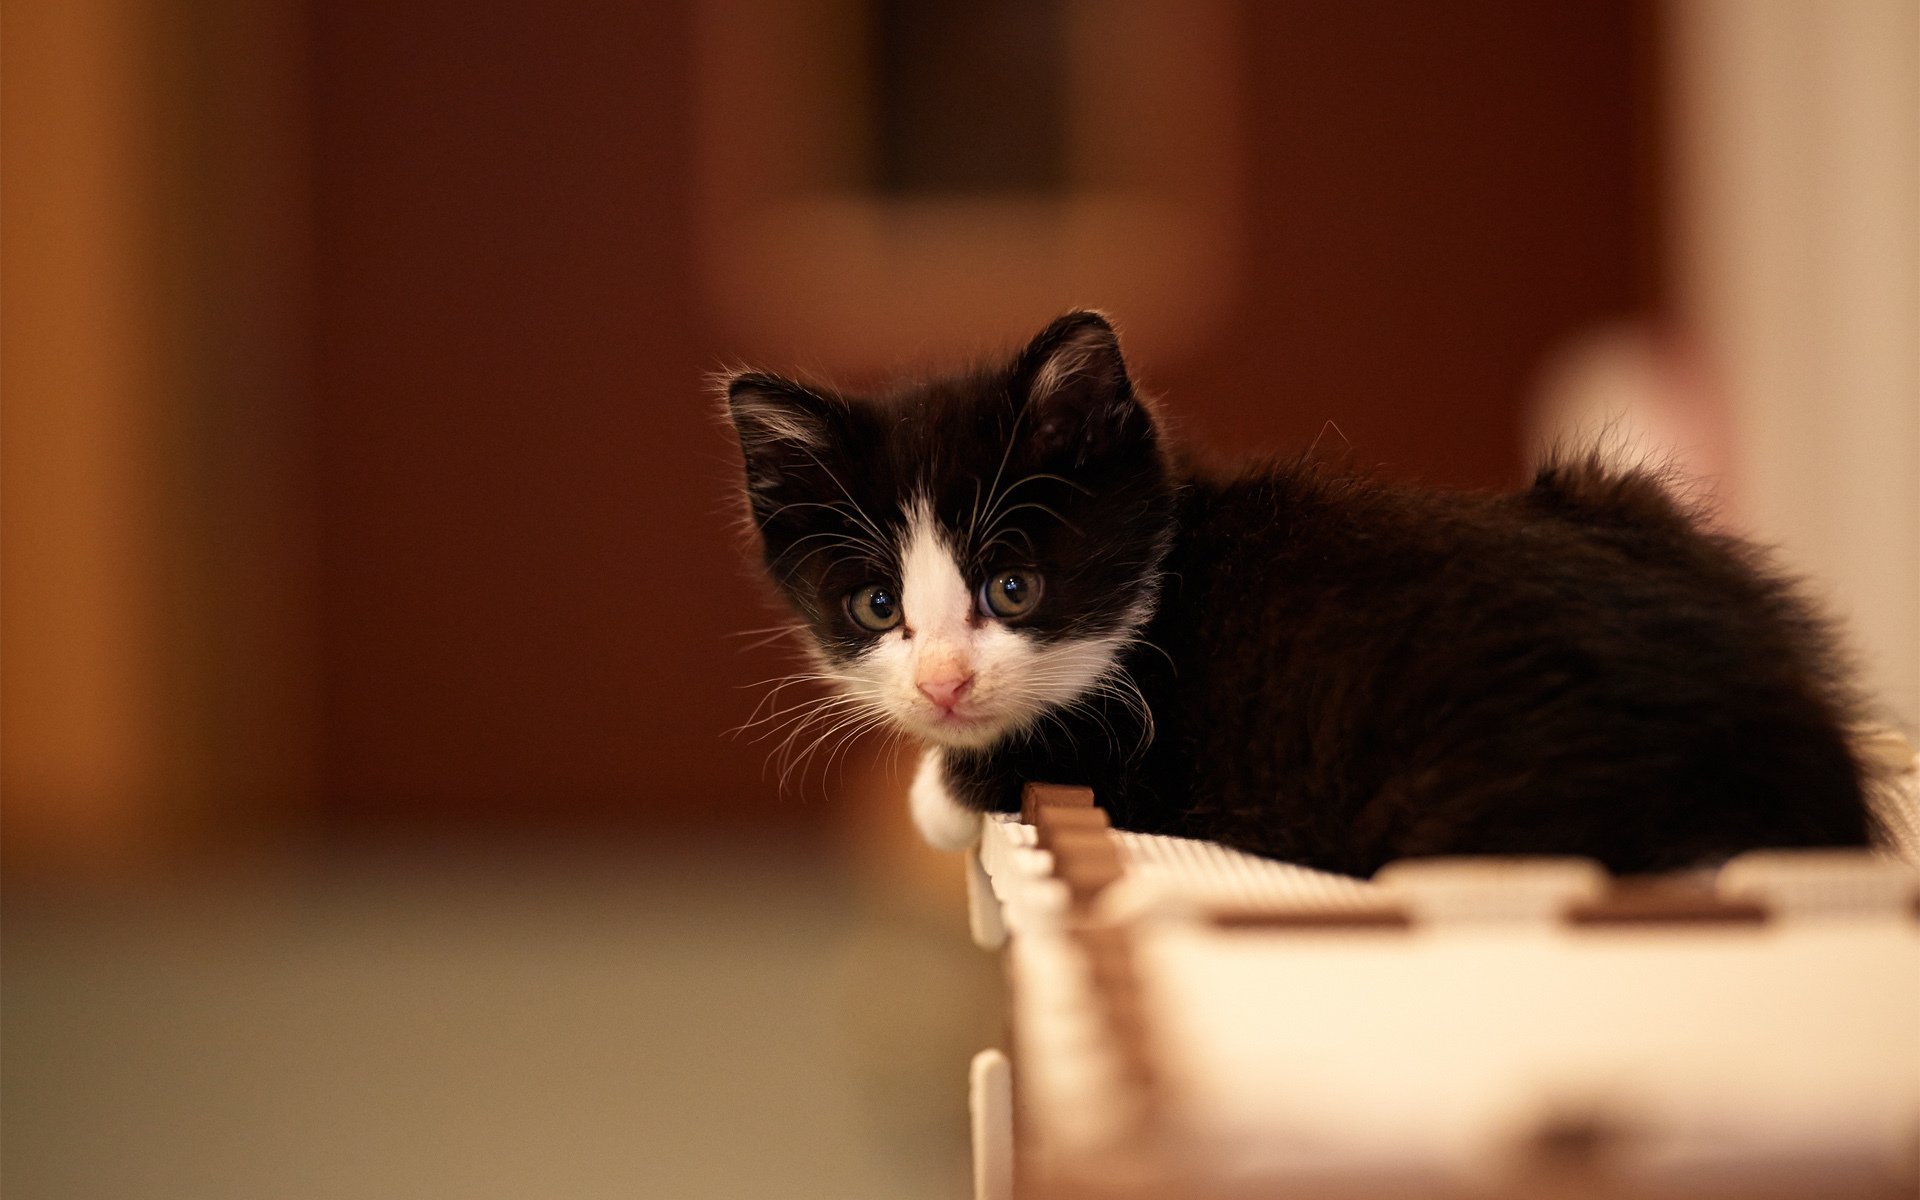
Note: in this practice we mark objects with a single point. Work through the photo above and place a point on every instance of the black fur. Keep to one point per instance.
(1341, 672)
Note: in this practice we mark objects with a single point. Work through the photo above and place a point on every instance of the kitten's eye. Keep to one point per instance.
(1010, 593)
(873, 607)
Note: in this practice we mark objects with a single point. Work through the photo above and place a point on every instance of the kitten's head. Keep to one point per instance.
(968, 552)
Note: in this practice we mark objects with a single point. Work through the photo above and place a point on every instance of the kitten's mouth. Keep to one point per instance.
(957, 728)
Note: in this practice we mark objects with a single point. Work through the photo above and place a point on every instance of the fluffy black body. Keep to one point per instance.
(1354, 673)
(1341, 672)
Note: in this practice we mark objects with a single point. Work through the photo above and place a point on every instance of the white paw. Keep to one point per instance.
(944, 822)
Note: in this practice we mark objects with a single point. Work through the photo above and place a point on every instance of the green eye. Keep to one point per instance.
(873, 607)
(1010, 593)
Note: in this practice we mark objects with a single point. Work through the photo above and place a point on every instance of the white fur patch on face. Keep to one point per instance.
(937, 600)
(1007, 679)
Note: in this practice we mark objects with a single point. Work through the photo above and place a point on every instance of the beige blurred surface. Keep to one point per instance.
(694, 1027)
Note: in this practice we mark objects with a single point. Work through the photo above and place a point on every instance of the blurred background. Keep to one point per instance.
(372, 602)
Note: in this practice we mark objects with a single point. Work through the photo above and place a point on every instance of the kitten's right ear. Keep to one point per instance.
(784, 427)
(768, 411)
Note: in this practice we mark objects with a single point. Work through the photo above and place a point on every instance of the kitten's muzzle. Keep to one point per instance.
(945, 691)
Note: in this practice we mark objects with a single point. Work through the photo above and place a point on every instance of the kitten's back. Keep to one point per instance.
(1575, 668)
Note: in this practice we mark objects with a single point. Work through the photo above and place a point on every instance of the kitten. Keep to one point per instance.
(1015, 565)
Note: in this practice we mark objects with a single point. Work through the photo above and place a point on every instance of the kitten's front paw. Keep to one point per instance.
(943, 821)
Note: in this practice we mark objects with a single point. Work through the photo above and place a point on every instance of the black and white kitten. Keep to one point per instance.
(1013, 564)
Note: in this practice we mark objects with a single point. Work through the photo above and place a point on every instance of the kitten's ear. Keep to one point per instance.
(768, 411)
(1074, 383)
(785, 428)
(780, 422)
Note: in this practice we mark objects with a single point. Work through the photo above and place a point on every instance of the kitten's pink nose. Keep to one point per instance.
(947, 690)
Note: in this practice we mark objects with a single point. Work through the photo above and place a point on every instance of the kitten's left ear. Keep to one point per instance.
(1074, 383)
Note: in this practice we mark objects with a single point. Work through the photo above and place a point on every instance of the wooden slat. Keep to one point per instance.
(1036, 796)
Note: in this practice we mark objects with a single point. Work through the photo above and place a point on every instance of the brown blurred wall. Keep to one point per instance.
(523, 588)
(156, 677)
(513, 489)
(527, 581)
